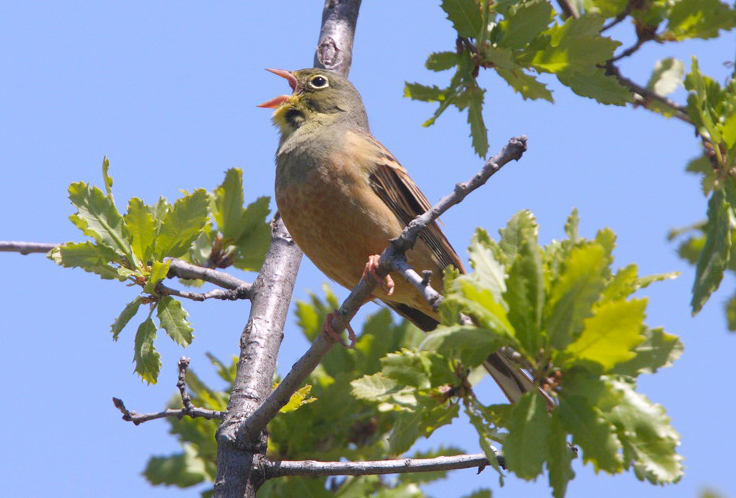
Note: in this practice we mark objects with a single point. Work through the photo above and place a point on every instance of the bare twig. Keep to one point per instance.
(182, 269)
(392, 259)
(25, 247)
(568, 9)
(189, 409)
(225, 295)
(624, 13)
(636, 46)
(315, 468)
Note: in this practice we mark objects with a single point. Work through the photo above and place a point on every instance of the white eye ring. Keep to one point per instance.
(319, 81)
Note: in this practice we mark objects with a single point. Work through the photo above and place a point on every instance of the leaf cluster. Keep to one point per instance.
(211, 229)
(580, 332)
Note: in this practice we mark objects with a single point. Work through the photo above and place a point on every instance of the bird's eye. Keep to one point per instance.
(319, 82)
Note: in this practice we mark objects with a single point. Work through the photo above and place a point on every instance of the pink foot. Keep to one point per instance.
(387, 283)
(330, 333)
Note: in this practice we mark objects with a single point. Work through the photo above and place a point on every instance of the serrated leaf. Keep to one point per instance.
(699, 19)
(572, 225)
(658, 350)
(468, 344)
(714, 257)
(572, 296)
(122, 320)
(520, 229)
(441, 61)
(417, 91)
(255, 238)
(529, 430)
(559, 463)
(478, 130)
(141, 227)
(299, 398)
(525, 84)
(464, 16)
(88, 256)
(182, 225)
(173, 319)
(596, 85)
(159, 271)
(411, 425)
(579, 412)
(648, 439)
(610, 335)
(488, 270)
(408, 368)
(98, 218)
(229, 199)
(667, 76)
(179, 469)
(147, 360)
(524, 21)
(106, 176)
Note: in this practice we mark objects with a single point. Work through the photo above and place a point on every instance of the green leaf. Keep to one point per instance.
(489, 272)
(147, 360)
(529, 430)
(98, 218)
(658, 350)
(468, 344)
(411, 425)
(88, 256)
(180, 469)
(572, 225)
(666, 77)
(525, 84)
(174, 320)
(648, 439)
(141, 226)
(525, 292)
(464, 15)
(229, 199)
(416, 91)
(524, 21)
(481, 493)
(106, 176)
(182, 225)
(731, 313)
(255, 237)
(408, 368)
(299, 398)
(478, 130)
(559, 462)
(579, 412)
(610, 335)
(122, 320)
(441, 61)
(596, 85)
(159, 271)
(520, 229)
(572, 296)
(699, 19)
(714, 257)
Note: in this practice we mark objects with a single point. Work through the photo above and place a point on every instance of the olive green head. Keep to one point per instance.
(320, 97)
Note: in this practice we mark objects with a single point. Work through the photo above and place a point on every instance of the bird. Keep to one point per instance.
(342, 196)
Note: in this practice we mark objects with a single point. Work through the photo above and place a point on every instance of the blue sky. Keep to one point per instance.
(167, 90)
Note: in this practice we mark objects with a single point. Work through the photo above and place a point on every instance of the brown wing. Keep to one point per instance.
(393, 185)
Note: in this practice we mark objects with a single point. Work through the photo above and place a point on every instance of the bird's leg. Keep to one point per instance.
(386, 283)
(329, 331)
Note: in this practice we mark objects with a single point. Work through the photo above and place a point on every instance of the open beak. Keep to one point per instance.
(293, 83)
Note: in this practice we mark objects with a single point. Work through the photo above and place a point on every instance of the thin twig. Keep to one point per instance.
(568, 9)
(182, 269)
(225, 295)
(189, 409)
(629, 51)
(623, 15)
(315, 468)
(392, 259)
(25, 247)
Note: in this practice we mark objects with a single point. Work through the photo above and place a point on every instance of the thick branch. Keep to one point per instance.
(335, 44)
(392, 259)
(315, 468)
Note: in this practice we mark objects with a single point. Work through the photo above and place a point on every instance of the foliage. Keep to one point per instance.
(523, 39)
(582, 335)
(211, 229)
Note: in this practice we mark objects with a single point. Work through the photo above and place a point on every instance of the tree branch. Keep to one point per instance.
(189, 409)
(392, 259)
(182, 269)
(315, 468)
(25, 247)
(335, 44)
(225, 295)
